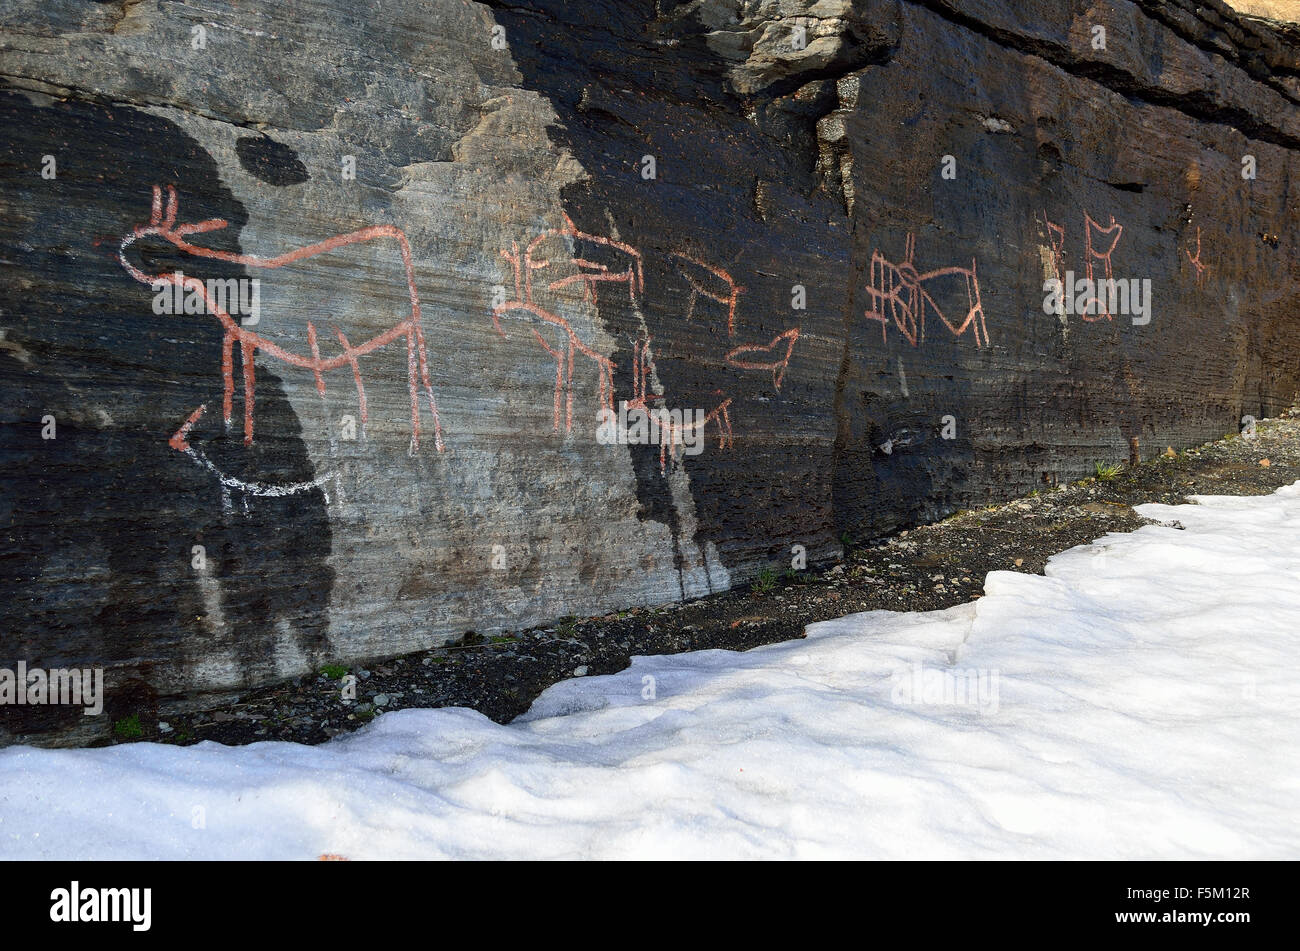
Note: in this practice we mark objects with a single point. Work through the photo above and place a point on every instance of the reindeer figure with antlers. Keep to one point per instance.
(590, 274)
(162, 223)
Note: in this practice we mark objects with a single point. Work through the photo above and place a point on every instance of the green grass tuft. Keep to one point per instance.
(128, 728)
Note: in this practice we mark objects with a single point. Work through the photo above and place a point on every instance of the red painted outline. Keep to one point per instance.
(901, 288)
(1201, 268)
(1090, 253)
(778, 367)
(523, 265)
(524, 262)
(163, 224)
(734, 290)
(720, 416)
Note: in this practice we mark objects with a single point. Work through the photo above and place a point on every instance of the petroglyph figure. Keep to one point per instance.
(1092, 254)
(781, 349)
(726, 292)
(162, 223)
(1201, 268)
(706, 282)
(675, 430)
(727, 295)
(590, 274)
(898, 293)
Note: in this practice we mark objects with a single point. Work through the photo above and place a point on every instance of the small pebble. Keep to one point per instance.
(580, 671)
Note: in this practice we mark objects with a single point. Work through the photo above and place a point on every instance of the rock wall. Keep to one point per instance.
(822, 229)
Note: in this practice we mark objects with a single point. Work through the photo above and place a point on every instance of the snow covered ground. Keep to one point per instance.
(1139, 701)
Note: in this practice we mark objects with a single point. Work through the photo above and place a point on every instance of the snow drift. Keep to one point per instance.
(1139, 701)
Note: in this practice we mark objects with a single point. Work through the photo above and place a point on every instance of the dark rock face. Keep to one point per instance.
(272, 162)
(100, 521)
(825, 227)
